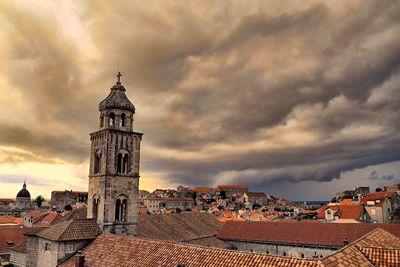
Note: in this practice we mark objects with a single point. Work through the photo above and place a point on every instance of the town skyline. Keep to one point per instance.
(297, 100)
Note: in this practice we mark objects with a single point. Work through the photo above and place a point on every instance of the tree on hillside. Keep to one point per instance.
(39, 200)
(395, 216)
(222, 194)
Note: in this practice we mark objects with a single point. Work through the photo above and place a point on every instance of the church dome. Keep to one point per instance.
(24, 192)
(117, 99)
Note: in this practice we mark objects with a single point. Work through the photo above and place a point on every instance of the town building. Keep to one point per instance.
(233, 189)
(60, 199)
(346, 211)
(296, 239)
(23, 199)
(259, 198)
(52, 245)
(10, 236)
(114, 165)
(379, 205)
(156, 204)
(393, 188)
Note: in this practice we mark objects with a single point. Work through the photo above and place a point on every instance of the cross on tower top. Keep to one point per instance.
(119, 77)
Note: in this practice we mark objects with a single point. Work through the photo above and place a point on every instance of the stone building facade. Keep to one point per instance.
(155, 204)
(60, 199)
(114, 165)
(300, 252)
(23, 199)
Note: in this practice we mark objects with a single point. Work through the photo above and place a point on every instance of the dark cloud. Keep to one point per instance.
(44, 146)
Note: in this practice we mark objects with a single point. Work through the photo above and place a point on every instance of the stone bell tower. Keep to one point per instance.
(114, 165)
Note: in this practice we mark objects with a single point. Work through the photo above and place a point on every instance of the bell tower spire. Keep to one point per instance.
(119, 77)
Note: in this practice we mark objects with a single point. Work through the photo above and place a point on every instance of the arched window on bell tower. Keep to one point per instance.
(123, 120)
(95, 207)
(119, 163)
(121, 205)
(117, 209)
(111, 119)
(125, 164)
(97, 163)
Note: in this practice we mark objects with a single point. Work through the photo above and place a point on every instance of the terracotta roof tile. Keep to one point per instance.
(377, 196)
(47, 220)
(346, 202)
(21, 247)
(77, 229)
(12, 235)
(348, 257)
(111, 250)
(177, 226)
(232, 187)
(321, 234)
(380, 238)
(370, 250)
(10, 219)
(382, 256)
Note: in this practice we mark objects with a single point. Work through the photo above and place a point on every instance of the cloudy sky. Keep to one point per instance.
(299, 99)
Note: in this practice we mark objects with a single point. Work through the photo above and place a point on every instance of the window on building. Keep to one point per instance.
(284, 254)
(47, 246)
(95, 207)
(123, 120)
(125, 164)
(70, 247)
(97, 163)
(302, 255)
(119, 163)
(121, 210)
(267, 252)
(117, 210)
(111, 119)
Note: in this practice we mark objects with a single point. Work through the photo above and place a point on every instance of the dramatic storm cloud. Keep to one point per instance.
(290, 97)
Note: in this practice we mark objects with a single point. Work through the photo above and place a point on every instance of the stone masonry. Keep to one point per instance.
(114, 166)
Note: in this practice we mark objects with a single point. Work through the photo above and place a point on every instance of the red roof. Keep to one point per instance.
(170, 198)
(10, 219)
(377, 196)
(320, 234)
(34, 214)
(113, 250)
(350, 212)
(10, 236)
(232, 187)
(47, 220)
(346, 202)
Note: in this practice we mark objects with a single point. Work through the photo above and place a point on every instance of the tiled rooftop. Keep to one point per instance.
(10, 236)
(300, 233)
(370, 250)
(382, 256)
(111, 250)
(77, 229)
(177, 226)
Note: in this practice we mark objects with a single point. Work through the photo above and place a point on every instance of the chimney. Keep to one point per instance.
(345, 242)
(79, 259)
